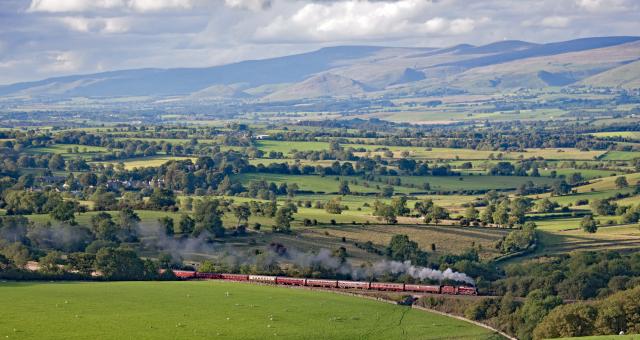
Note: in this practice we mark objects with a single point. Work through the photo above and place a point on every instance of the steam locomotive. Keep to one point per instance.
(324, 283)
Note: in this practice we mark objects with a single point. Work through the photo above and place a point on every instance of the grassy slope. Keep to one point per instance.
(472, 182)
(625, 134)
(148, 162)
(170, 310)
(63, 149)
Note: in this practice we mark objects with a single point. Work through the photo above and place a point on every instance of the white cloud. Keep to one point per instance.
(59, 6)
(435, 25)
(64, 6)
(77, 23)
(461, 26)
(158, 5)
(440, 25)
(555, 22)
(115, 25)
(253, 5)
(345, 20)
(102, 25)
(607, 5)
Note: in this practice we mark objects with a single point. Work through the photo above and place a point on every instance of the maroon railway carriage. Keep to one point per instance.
(398, 287)
(449, 290)
(354, 284)
(290, 281)
(422, 288)
(322, 283)
(235, 277)
(184, 274)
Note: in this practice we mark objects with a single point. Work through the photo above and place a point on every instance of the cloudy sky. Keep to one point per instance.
(44, 38)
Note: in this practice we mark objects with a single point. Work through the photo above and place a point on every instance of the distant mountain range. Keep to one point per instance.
(347, 71)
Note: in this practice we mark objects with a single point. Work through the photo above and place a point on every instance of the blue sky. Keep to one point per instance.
(44, 38)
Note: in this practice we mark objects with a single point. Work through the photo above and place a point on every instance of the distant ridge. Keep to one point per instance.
(362, 70)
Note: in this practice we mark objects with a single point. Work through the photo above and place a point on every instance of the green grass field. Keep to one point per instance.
(624, 134)
(586, 173)
(472, 182)
(148, 162)
(287, 146)
(621, 155)
(469, 154)
(209, 309)
(311, 182)
(562, 238)
(84, 151)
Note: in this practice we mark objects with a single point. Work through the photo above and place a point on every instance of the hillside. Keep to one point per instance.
(320, 86)
(627, 76)
(358, 70)
(205, 310)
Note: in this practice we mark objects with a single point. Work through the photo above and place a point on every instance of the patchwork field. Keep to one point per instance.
(148, 162)
(623, 134)
(570, 238)
(476, 182)
(206, 309)
(67, 150)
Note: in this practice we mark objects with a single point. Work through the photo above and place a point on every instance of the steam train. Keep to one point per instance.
(324, 283)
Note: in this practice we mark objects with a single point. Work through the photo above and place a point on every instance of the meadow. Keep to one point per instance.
(476, 182)
(623, 134)
(67, 150)
(147, 162)
(209, 309)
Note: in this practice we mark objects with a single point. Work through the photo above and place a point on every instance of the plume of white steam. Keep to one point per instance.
(417, 272)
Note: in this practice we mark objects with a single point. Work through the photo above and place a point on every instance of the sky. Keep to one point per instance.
(47, 38)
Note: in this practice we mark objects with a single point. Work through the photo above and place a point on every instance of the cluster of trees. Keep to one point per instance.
(505, 212)
(19, 202)
(609, 276)
(518, 240)
(579, 276)
(98, 247)
(617, 314)
(401, 248)
(427, 210)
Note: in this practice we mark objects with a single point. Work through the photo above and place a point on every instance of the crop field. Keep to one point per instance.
(618, 237)
(620, 155)
(207, 309)
(587, 195)
(148, 162)
(84, 151)
(286, 146)
(586, 173)
(608, 183)
(447, 239)
(168, 140)
(315, 183)
(432, 153)
(267, 161)
(623, 134)
(469, 154)
(476, 182)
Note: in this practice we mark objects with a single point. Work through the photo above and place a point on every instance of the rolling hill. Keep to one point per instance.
(367, 71)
